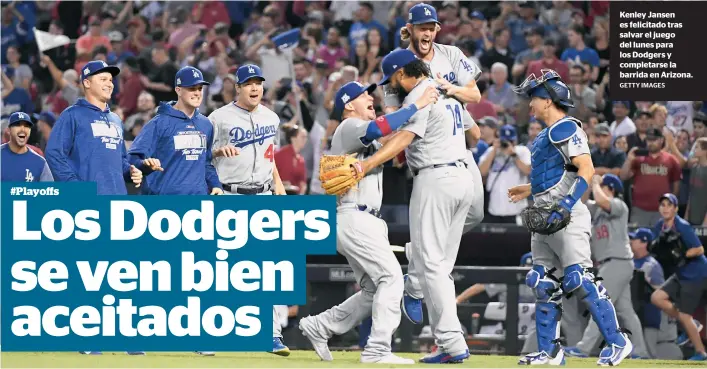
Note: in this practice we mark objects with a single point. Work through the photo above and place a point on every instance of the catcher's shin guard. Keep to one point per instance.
(548, 311)
(579, 281)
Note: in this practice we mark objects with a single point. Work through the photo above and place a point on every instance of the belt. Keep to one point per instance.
(610, 259)
(364, 208)
(415, 172)
(244, 190)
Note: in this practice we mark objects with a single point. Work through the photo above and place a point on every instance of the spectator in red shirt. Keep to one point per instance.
(549, 61)
(209, 13)
(484, 108)
(131, 86)
(93, 38)
(654, 173)
(290, 163)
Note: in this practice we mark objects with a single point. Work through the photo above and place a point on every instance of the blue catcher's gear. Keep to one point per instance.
(548, 86)
(578, 280)
(548, 163)
(547, 309)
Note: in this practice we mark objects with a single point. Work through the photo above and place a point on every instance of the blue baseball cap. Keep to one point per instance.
(508, 133)
(643, 234)
(18, 117)
(672, 198)
(477, 14)
(348, 93)
(248, 71)
(422, 13)
(47, 117)
(395, 60)
(188, 77)
(98, 66)
(614, 182)
(526, 259)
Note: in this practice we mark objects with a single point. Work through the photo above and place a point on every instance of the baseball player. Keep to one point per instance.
(86, 143)
(244, 152)
(361, 233)
(456, 76)
(435, 149)
(19, 162)
(659, 331)
(561, 169)
(611, 250)
(680, 295)
(174, 148)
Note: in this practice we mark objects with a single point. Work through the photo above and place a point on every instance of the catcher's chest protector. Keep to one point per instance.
(547, 165)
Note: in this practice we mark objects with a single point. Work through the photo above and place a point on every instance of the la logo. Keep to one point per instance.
(427, 11)
(251, 70)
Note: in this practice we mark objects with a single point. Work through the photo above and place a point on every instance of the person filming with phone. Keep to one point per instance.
(654, 172)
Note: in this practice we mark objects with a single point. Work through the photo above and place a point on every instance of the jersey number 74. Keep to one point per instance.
(457, 116)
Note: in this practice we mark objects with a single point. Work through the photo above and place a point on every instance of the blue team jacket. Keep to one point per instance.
(183, 146)
(86, 144)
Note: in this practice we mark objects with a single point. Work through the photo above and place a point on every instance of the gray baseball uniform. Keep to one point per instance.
(450, 62)
(362, 237)
(610, 248)
(254, 134)
(438, 209)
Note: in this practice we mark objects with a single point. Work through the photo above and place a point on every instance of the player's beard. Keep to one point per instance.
(400, 91)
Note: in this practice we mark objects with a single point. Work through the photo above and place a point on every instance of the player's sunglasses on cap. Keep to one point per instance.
(670, 197)
(18, 117)
(247, 72)
(422, 13)
(98, 66)
(188, 77)
(395, 60)
(548, 86)
(347, 93)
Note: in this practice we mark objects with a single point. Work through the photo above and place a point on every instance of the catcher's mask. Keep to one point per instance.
(548, 86)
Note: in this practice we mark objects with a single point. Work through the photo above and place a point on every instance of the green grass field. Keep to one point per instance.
(298, 359)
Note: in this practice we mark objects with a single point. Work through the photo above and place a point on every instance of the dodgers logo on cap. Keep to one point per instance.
(422, 13)
(189, 77)
(247, 72)
(19, 117)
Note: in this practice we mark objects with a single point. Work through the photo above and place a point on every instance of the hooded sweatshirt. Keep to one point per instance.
(183, 146)
(86, 144)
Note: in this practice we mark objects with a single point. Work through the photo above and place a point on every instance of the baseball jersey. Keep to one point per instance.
(439, 130)
(347, 139)
(609, 231)
(574, 146)
(450, 62)
(26, 167)
(254, 134)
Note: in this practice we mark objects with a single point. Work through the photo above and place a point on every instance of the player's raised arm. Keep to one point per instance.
(467, 72)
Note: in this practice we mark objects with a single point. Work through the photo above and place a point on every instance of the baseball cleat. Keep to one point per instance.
(612, 355)
(542, 358)
(683, 339)
(387, 359)
(411, 307)
(279, 348)
(439, 357)
(320, 345)
(574, 352)
(205, 353)
(698, 357)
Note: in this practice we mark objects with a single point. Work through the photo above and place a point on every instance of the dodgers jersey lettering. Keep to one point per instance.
(609, 232)
(450, 62)
(254, 134)
(347, 140)
(574, 146)
(439, 130)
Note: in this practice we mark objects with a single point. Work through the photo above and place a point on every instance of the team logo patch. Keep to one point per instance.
(345, 98)
(427, 11)
(576, 140)
(196, 74)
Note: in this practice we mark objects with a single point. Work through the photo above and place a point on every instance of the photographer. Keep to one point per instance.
(504, 165)
(677, 247)
(654, 173)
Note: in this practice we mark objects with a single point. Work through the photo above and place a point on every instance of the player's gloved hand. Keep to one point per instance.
(564, 210)
(135, 176)
(226, 151)
(153, 164)
(216, 191)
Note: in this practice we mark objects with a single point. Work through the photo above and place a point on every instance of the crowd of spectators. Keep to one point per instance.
(655, 146)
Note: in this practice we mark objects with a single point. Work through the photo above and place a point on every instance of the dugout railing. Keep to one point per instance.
(326, 287)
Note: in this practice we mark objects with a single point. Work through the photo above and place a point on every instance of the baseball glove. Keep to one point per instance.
(339, 173)
(535, 218)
